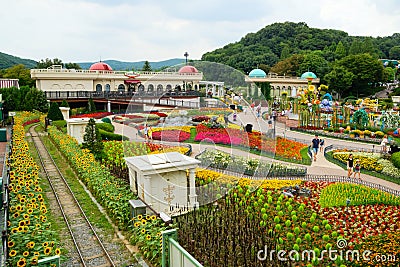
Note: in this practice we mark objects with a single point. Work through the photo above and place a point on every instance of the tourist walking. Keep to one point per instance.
(357, 169)
(350, 165)
(384, 143)
(146, 132)
(321, 145)
(315, 146)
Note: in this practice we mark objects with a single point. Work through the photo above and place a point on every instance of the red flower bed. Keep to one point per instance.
(160, 114)
(30, 122)
(282, 147)
(131, 116)
(95, 115)
(200, 118)
(171, 135)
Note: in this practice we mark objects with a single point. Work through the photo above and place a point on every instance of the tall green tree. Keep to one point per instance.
(92, 139)
(91, 106)
(146, 66)
(35, 99)
(54, 113)
(72, 66)
(21, 73)
(64, 104)
(339, 80)
(394, 52)
(266, 90)
(340, 50)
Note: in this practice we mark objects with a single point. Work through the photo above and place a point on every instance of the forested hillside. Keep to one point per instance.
(7, 61)
(279, 41)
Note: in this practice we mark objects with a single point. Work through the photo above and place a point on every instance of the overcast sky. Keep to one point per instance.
(155, 30)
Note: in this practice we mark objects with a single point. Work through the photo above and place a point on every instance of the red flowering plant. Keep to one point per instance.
(95, 115)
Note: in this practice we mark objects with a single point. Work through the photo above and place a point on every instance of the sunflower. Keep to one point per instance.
(143, 231)
(21, 262)
(58, 251)
(30, 244)
(139, 217)
(45, 244)
(137, 224)
(12, 253)
(30, 211)
(22, 223)
(144, 222)
(47, 250)
(147, 217)
(153, 217)
(10, 243)
(36, 253)
(34, 260)
(25, 254)
(148, 237)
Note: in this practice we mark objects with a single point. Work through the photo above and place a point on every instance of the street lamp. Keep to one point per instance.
(274, 118)
(186, 56)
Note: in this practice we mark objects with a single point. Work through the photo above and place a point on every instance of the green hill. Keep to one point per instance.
(7, 61)
(278, 41)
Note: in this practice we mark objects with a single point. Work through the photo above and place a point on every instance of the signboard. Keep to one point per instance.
(12, 113)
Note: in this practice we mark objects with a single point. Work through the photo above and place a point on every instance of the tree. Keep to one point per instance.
(72, 66)
(91, 106)
(64, 104)
(146, 66)
(340, 50)
(92, 139)
(339, 80)
(55, 113)
(394, 52)
(266, 90)
(316, 63)
(35, 99)
(21, 73)
(44, 64)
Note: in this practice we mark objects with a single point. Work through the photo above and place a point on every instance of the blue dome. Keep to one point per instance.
(257, 73)
(308, 75)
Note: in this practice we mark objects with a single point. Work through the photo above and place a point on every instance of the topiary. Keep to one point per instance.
(64, 104)
(55, 113)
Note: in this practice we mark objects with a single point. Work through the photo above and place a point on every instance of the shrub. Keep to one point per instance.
(106, 120)
(54, 113)
(396, 159)
(106, 127)
(64, 103)
(111, 136)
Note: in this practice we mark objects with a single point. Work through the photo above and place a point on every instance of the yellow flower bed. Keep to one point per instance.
(30, 238)
(368, 161)
(205, 176)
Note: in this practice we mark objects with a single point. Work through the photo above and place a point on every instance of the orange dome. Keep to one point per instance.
(188, 69)
(100, 66)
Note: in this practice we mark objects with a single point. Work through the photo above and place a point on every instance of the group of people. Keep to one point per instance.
(147, 132)
(317, 144)
(353, 168)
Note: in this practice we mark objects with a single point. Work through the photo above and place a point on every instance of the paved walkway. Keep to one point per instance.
(320, 167)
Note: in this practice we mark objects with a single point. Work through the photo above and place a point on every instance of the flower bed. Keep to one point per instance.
(30, 238)
(95, 115)
(252, 167)
(282, 147)
(171, 135)
(111, 193)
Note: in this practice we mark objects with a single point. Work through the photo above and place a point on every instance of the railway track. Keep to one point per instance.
(90, 249)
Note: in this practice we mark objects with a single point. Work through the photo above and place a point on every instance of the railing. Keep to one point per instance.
(117, 95)
(173, 254)
(4, 211)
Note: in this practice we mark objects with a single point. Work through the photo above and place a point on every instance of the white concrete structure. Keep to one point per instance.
(65, 112)
(164, 180)
(101, 78)
(76, 128)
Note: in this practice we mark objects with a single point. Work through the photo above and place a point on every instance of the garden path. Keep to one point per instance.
(320, 167)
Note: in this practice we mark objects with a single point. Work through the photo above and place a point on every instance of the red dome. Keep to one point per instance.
(188, 69)
(100, 66)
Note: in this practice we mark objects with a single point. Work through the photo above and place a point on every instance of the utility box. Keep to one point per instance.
(3, 135)
(137, 207)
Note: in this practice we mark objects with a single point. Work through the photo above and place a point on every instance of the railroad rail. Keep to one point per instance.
(89, 247)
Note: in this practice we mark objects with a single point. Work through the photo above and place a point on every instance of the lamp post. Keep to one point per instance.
(274, 118)
(186, 56)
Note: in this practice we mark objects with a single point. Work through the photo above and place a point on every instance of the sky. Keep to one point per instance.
(155, 30)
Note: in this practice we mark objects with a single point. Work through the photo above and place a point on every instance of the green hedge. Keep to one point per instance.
(106, 127)
(396, 159)
(111, 136)
(59, 124)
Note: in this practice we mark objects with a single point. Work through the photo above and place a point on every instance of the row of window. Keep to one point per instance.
(140, 88)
